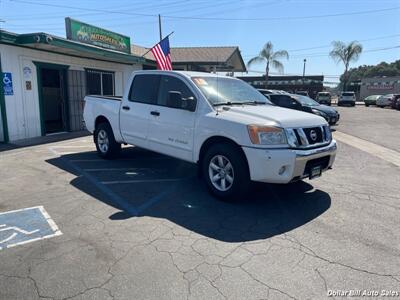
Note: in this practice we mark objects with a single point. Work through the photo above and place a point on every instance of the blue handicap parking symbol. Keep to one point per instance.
(26, 225)
(8, 84)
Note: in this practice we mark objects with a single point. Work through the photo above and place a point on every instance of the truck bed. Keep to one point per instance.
(105, 107)
(115, 98)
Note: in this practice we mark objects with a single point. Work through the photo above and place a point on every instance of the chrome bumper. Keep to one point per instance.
(329, 149)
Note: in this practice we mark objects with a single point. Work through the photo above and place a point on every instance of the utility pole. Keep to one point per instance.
(159, 26)
(304, 70)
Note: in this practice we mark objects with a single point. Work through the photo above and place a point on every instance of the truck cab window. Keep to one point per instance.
(172, 84)
(144, 89)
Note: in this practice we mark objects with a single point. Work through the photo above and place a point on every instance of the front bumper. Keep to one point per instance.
(332, 119)
(346, 102)
(327, 102)
(266, 164)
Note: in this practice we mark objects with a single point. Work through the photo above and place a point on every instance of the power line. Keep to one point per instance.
(328, 46)
(211, 18)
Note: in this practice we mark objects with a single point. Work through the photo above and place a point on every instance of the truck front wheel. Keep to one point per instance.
(105, 142)
(226, 172)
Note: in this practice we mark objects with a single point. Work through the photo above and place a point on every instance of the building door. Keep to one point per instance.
(52, 88)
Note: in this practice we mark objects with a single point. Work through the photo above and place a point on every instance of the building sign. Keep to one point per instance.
(89, 34)
(27, 72)
(380, 87)
(8, 84)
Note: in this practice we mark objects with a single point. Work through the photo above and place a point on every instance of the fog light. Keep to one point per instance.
(282, 170)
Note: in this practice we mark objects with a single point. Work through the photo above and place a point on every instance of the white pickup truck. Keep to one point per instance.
(222, 124)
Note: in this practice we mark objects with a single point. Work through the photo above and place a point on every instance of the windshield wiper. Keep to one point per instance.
(254, 102)
(227, 103)
(239, 103)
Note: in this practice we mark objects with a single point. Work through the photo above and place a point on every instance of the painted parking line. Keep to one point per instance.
(119, 169)
(143, 180)
(72, 146)
(119, 159)
(114, 197)
(384, 153)
(22, 226)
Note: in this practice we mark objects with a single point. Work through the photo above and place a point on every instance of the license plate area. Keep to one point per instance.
(315, 172)
(314, 167)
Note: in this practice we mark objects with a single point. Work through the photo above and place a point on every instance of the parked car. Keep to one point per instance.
(384, 100)
(371, 100)
(303, 93)
(306, 104)
(395, 101)
(234, 133)
(324, 98)
(347, 98)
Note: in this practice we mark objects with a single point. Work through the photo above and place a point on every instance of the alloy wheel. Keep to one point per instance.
(221, 174)
(102, 141)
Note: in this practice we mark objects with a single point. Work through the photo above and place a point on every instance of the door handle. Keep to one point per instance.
(126, 108)
(155, 113)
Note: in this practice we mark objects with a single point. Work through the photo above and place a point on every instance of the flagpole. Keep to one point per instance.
(157, 43)
(159, 26)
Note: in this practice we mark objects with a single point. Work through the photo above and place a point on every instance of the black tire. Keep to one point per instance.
(106, 145)
(367, 105)
(240, 176)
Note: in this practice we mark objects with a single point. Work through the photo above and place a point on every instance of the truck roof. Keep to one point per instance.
(184, 73)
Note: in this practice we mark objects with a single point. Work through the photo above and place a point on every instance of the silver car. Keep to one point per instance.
(385, 100)
(347, 98)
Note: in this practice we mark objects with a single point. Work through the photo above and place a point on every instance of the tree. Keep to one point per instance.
(345, 54)
(270, 58)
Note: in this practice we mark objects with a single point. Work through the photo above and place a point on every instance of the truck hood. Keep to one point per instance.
(270, 115)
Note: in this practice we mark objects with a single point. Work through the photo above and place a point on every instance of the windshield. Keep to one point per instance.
(373, 97)
(323, 94)
(305, 101)
(347, 94)
(222, 90)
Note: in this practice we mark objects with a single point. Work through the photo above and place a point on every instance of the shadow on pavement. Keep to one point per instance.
(42, 140)
(268, 210)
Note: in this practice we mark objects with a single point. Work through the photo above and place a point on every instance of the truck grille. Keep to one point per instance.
(314, 135)
(311, 136)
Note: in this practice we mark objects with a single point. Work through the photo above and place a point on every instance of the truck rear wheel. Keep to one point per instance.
(105, 142)
(226, 172)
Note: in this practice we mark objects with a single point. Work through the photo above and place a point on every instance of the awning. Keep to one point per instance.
(51, 43)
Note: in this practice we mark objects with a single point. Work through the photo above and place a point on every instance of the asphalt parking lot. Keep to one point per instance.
(143, 226)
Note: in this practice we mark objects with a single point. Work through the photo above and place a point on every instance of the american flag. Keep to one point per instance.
(162, 54)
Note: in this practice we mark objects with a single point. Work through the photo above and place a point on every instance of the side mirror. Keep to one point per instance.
(175, 100)
(189, 103)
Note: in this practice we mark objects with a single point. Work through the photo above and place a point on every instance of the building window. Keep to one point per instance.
(100, 82)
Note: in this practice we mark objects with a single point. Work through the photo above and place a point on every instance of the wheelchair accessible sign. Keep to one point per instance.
(8, 84)
(26, 225)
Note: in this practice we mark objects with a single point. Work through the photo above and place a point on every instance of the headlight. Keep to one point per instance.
(266, 135)
(328, 133)
(319, 113)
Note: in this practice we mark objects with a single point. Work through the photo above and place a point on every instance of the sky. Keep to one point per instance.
(305, 28)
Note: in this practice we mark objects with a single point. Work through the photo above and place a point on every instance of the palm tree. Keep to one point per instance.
(268, 56)
(345, 54)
